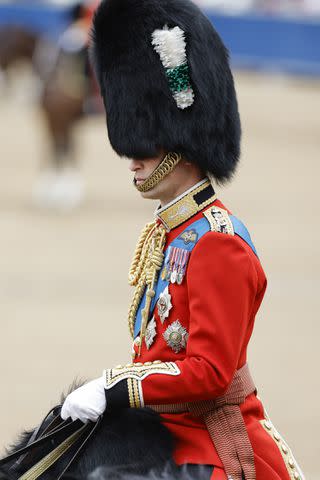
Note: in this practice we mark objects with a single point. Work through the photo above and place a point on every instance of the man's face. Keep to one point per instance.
(144, 168)
(182, 177)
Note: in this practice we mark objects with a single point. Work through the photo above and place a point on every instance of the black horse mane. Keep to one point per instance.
(169, 472)
(130, 444)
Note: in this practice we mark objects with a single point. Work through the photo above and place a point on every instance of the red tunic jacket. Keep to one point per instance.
(216, 304)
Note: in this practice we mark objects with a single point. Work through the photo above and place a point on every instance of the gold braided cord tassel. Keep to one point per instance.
(146, 264)
(139, 258)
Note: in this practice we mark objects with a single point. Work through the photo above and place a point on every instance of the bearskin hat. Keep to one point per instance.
(166, 83)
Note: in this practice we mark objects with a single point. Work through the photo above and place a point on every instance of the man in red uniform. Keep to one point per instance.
(171, 107)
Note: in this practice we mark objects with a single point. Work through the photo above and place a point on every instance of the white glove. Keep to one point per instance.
(86, 403)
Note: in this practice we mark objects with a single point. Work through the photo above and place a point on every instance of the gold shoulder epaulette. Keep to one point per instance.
(219, 220)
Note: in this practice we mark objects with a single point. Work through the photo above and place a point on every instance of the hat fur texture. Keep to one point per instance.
(143, 114)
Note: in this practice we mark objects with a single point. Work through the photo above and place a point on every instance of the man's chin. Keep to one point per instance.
(150, 195)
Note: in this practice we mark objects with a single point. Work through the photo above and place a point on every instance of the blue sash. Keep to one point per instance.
(241, 230)
(201, 227)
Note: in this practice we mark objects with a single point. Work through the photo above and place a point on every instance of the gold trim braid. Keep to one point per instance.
(167, 165)
(138, 371)
(135, 393)
(186, 206)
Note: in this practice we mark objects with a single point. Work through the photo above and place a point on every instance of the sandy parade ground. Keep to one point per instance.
(63, 276)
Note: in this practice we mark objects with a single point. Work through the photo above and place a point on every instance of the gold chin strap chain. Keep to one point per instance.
(163, 169)
(145, 267)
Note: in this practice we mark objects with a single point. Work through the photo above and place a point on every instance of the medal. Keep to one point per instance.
(175, 265)
(180, 278)
(164, 304)
(183, 266)
(176, 336)
(151, 333)
(166, 268)
(173, 276)
(172, 260)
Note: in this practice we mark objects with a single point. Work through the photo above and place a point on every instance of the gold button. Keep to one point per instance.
(291, 463)
(296, 476)
(267, 425)
(284, 449)
(157, 362)
(147, 364)
(276, 436)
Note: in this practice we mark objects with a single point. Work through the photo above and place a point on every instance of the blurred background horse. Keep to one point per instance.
(66, 92)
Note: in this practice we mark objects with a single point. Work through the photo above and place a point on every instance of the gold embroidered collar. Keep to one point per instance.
(186, 205)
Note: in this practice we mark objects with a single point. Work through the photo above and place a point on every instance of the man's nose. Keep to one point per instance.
(134, 165)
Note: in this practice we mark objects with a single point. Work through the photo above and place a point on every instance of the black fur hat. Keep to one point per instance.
(132, 49)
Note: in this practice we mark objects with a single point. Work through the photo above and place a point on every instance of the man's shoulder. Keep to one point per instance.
(219, 219)
(226, 227)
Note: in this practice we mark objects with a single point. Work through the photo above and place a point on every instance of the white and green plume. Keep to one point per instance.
(170, 44)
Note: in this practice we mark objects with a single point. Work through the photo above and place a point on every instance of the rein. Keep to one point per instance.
(64, 439)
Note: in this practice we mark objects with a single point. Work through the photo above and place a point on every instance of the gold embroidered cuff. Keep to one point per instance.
(135, 393)
(139, 371)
